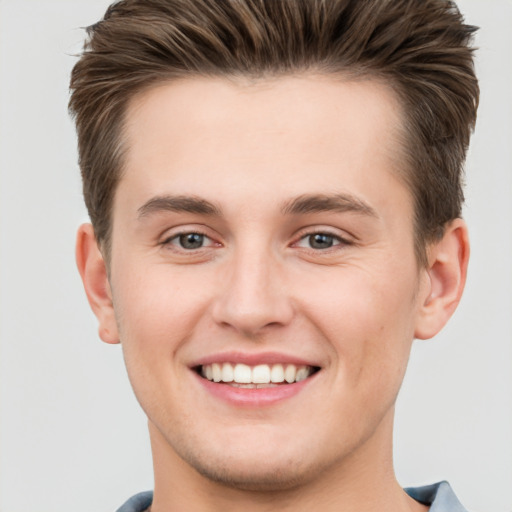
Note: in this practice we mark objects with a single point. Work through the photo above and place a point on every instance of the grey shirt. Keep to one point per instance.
(439, 496)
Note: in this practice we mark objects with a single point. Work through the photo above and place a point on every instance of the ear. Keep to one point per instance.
(446, 277)
(93, 271)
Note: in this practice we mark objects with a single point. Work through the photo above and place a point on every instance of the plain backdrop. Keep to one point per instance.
(73, 438)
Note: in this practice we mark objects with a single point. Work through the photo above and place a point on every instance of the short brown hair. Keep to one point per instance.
(421, 48)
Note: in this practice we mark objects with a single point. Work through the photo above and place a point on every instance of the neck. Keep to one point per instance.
(364, 480)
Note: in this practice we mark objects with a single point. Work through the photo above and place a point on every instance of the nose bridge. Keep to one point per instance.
(253, 295)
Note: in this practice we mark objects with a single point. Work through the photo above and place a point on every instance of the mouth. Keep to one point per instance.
(257, 376)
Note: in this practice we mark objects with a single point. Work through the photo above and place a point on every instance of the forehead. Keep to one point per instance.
(201, 135)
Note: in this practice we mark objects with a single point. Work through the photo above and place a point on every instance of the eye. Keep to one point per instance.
(189, 241)
(319, 241)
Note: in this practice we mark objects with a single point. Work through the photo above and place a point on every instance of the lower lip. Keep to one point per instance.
(254, 397)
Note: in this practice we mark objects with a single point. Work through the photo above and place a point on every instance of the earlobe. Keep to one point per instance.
(93, 272)
(447, 268)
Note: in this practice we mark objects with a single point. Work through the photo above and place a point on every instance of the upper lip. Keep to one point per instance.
(253, 359)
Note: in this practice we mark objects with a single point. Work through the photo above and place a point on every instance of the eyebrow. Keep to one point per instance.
(316, 203)
(189, 204)
(304, 204)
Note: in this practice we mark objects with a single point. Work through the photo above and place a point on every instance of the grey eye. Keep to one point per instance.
(191, 240)
(321, 241)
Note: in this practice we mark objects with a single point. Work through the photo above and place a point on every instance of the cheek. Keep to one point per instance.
(157, 310)
(157, 313)
(368, 320)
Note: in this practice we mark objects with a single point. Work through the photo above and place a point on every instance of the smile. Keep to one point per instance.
(258, 376)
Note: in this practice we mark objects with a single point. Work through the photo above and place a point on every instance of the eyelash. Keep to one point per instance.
(179, 238)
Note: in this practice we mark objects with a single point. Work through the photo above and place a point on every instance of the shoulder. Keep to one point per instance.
(137, 503)
(440, 497)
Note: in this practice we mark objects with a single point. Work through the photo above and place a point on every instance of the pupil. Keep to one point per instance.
(320, 241)
(191, 240)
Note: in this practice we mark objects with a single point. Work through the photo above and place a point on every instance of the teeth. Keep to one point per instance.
(290, 373)
(261, 374)
(242, 375)
(227, 373)
(277, 373)
(302, 373)
(217, 372)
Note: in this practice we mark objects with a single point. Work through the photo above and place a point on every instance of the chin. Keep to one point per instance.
(274, 477)
(256, 470)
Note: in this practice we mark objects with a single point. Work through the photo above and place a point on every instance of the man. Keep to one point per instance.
(275, 196)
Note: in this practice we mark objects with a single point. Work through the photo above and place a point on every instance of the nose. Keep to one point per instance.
(253, 296)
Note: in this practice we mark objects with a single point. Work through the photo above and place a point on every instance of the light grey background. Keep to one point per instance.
(72, 437)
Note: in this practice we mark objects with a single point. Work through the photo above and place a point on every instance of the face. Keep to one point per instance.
(263, 274)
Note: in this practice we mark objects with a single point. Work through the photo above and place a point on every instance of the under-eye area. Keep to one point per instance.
(258, 376)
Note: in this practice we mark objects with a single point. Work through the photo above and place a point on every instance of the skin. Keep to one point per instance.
(253, 151)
